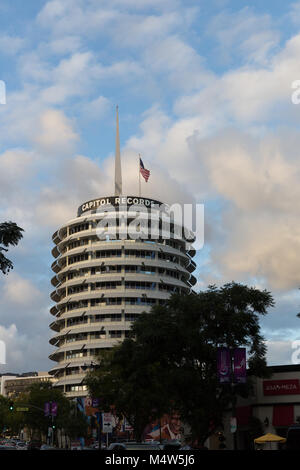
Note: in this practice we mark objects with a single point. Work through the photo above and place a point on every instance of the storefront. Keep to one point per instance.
(273, 406)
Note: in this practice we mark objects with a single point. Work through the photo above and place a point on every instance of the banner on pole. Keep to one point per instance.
(47, 409)
(239, 365)
(224, 365)
(54, 408)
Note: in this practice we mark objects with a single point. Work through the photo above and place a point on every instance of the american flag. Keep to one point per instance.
(144, 172)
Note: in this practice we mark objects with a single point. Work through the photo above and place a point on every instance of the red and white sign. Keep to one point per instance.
(281, 387)
(127, 426)
(107, 422)
(75, 445)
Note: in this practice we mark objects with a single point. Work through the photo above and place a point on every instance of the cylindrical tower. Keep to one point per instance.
(103, 284)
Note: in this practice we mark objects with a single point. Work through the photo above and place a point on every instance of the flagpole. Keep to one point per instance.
(139, 176)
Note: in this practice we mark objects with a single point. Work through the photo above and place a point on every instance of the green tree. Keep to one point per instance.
(11, 420)
(66, 419)
(4, 406)
(75, 423)
(132, 384)
(171, 360)
(10, 234)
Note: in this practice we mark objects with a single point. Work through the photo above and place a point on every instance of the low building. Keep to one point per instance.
(274, 405)
(12, 385)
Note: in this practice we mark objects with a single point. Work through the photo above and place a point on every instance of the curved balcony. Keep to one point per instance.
(125, 261)
(106, 246)
(55, 281)
(86, 346)
(55, 266)
(54, 310)
(192, 280)
(93, 327)
(191, 266)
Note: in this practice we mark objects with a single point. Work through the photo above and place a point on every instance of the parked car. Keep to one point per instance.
(7, 447)
(171, 445)
(46, 447)
(34, 445)
(293, 437)
(21, 445)
(122, 446)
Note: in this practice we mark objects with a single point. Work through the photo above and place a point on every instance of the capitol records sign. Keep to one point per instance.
(281, 387)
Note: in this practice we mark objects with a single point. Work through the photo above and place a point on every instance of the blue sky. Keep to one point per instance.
(204, 91)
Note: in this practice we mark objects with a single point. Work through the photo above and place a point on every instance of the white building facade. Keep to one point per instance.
(104, 281)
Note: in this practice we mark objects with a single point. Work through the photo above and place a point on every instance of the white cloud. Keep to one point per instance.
(65, 44)
(23, 351)
(253, 178)
(79, 178)
(179, 62)
(250, 36)
(19, 291)
(140, 30)
(92, 16)
(249, 94)
(96, 108)
(17, 166)
(54, 132)
(11, 45)
(67, 16)
(279, 352)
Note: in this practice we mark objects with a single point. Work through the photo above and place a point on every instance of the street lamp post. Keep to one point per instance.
(100, 430)
(232, 370)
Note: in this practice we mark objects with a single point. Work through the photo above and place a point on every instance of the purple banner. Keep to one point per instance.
(47, 409)
(239, 365)
(224, 365)
(54, 408)
(95, 402)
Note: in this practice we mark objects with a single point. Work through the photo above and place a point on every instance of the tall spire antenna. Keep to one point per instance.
(118, 169)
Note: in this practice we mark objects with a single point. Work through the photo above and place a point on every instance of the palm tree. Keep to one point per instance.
(10, 234)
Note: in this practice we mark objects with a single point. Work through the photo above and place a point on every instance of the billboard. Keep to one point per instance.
(169, 427)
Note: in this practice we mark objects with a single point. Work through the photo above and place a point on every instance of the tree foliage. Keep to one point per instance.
(131, 384)
(68, 418)
(170, 362)
(10, 234)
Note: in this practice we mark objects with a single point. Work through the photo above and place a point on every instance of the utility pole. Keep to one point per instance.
(233, 406)
(100, 430)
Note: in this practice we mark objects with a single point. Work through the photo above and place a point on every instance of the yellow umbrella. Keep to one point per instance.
(269, 438)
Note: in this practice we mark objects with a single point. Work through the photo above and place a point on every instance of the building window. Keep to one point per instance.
(115, 334)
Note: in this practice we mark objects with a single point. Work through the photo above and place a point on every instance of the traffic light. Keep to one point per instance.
(11, 406)
(53, 426)
(222, 439)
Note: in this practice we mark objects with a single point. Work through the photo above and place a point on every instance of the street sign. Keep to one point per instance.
(107, 422)
(107, 428)
(22, 409)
